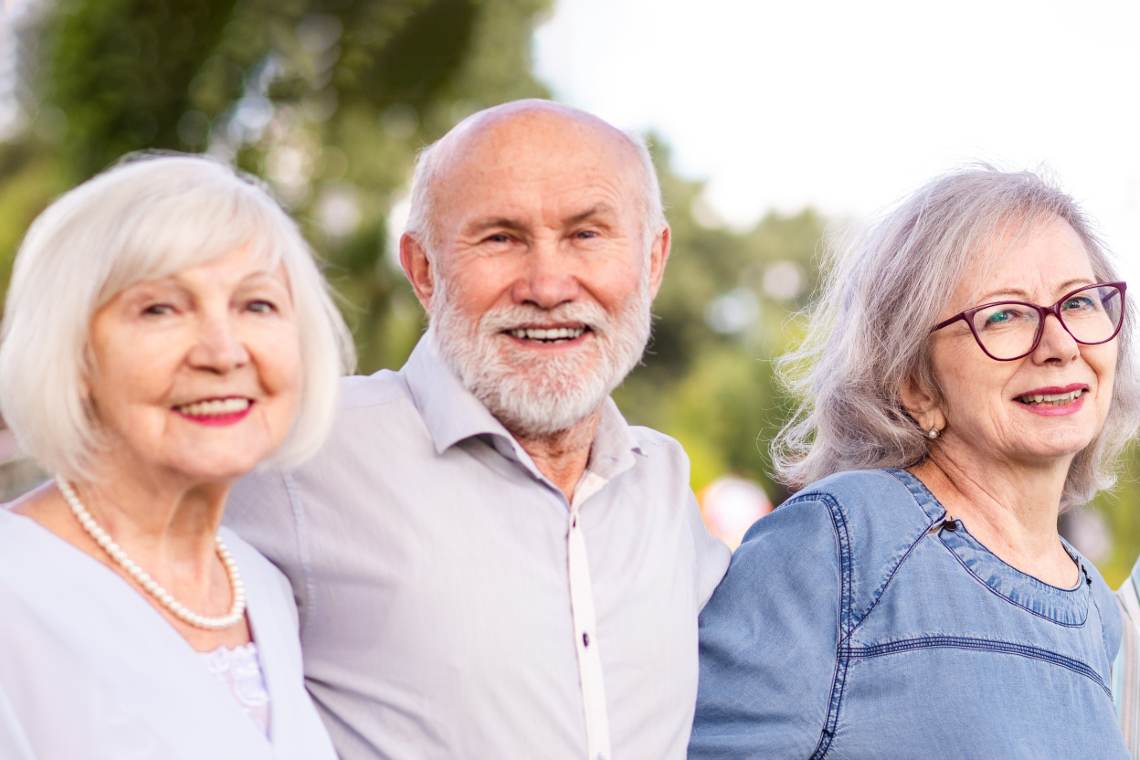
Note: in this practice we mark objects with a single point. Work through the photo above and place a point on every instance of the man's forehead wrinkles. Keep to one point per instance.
(501, 141)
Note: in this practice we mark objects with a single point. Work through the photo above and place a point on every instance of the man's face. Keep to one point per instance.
(543, 276)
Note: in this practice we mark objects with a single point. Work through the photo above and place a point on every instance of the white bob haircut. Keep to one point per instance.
(148, 217)
(421, 220)
(852, 365)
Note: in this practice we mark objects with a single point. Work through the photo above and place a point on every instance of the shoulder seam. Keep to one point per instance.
(1103, 628)
(842, 659)
(878, 593)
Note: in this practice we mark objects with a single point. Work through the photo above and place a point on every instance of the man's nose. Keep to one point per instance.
(548, 277)
(218, 346)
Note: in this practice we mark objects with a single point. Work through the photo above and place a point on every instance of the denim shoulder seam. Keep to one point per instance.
(1103, 629)
(842, 658)
(296, 506)
(881, 591)
(979, 645)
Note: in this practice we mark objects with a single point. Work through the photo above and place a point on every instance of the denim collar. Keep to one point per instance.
(1067, 607)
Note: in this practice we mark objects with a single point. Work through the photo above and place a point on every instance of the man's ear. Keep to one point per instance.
(923, 404)
(417, 268)
(658, 257)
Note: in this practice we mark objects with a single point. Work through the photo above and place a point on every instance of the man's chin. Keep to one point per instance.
(542, 422)
(541, 404)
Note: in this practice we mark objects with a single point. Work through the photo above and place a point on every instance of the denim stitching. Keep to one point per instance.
(1005, 598)
(881, 591)
(839, 678)
(1100, 616)
(878, 593)
(984, 645)
(920, 492)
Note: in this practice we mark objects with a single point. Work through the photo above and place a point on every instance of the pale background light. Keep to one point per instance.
(848, 106)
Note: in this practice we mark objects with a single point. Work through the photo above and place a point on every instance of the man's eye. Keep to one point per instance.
(587, 234)
(498, 237)
(157, 309)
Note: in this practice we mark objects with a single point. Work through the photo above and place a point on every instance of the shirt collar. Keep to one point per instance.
(614, 443)
(453, 414)
(450, 411)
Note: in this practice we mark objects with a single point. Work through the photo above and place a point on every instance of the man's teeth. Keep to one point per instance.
(214, 408)
(554, 333)
(1051, 398)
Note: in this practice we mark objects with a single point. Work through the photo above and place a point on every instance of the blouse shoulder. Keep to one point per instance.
(1111, 622)
(877, 517)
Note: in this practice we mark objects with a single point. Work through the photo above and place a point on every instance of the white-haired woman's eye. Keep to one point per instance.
(158, 310)
(262, 306)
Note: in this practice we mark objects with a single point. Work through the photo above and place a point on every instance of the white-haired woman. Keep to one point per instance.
(166, 330)
(967, 376)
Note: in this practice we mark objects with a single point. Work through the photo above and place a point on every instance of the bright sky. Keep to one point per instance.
(850, 105)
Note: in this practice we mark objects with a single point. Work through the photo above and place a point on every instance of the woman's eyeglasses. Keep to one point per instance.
(1008, 330)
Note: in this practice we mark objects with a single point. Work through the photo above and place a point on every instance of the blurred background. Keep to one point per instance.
(776, 128)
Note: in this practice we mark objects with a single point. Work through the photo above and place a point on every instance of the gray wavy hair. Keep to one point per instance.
(851, 366)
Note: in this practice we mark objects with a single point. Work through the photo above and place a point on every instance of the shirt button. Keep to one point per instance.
(586, 641)
(950, 525)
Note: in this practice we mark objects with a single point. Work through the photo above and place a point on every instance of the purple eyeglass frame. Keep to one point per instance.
(967, 316)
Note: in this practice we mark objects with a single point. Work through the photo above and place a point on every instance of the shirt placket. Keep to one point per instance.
(585, 627)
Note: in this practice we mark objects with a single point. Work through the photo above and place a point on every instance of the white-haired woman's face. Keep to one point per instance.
(1041, 409)
(196, 376)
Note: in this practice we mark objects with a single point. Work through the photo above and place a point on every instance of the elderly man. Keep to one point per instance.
(489, 562)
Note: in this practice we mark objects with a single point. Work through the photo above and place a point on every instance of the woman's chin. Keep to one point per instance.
(222, 472)
(1058, 451)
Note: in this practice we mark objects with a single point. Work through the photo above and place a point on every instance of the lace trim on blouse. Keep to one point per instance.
(240, 670)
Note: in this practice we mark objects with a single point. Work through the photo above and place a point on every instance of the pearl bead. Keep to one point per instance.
(149, 584)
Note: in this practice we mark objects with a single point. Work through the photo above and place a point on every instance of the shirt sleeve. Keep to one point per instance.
(768, 640)
(712, 555)
(265, 510)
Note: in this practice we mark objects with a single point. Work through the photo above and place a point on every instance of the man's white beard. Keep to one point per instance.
(529, 394)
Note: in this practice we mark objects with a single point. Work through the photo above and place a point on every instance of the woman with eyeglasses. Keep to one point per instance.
(967, 376)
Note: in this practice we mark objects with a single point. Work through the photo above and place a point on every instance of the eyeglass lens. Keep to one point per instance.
(1007, 330)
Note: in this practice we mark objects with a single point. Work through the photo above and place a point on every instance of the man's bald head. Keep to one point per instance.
(492, 133)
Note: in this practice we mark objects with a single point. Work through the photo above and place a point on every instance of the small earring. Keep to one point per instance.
(933, 433)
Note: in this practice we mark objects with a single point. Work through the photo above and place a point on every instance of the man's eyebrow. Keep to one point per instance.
(497, 222)
(598, 209)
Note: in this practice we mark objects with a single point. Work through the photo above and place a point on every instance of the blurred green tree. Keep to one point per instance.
(726, 309)
(327, 99)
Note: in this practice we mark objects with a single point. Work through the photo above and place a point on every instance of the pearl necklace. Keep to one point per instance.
(142, 577)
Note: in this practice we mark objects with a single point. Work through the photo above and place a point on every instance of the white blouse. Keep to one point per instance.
(240, 670)
(89, 669)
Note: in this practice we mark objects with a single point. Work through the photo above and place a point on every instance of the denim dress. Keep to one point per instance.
(856, 621)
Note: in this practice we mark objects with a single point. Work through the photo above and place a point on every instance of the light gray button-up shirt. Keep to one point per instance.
(453, 604)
